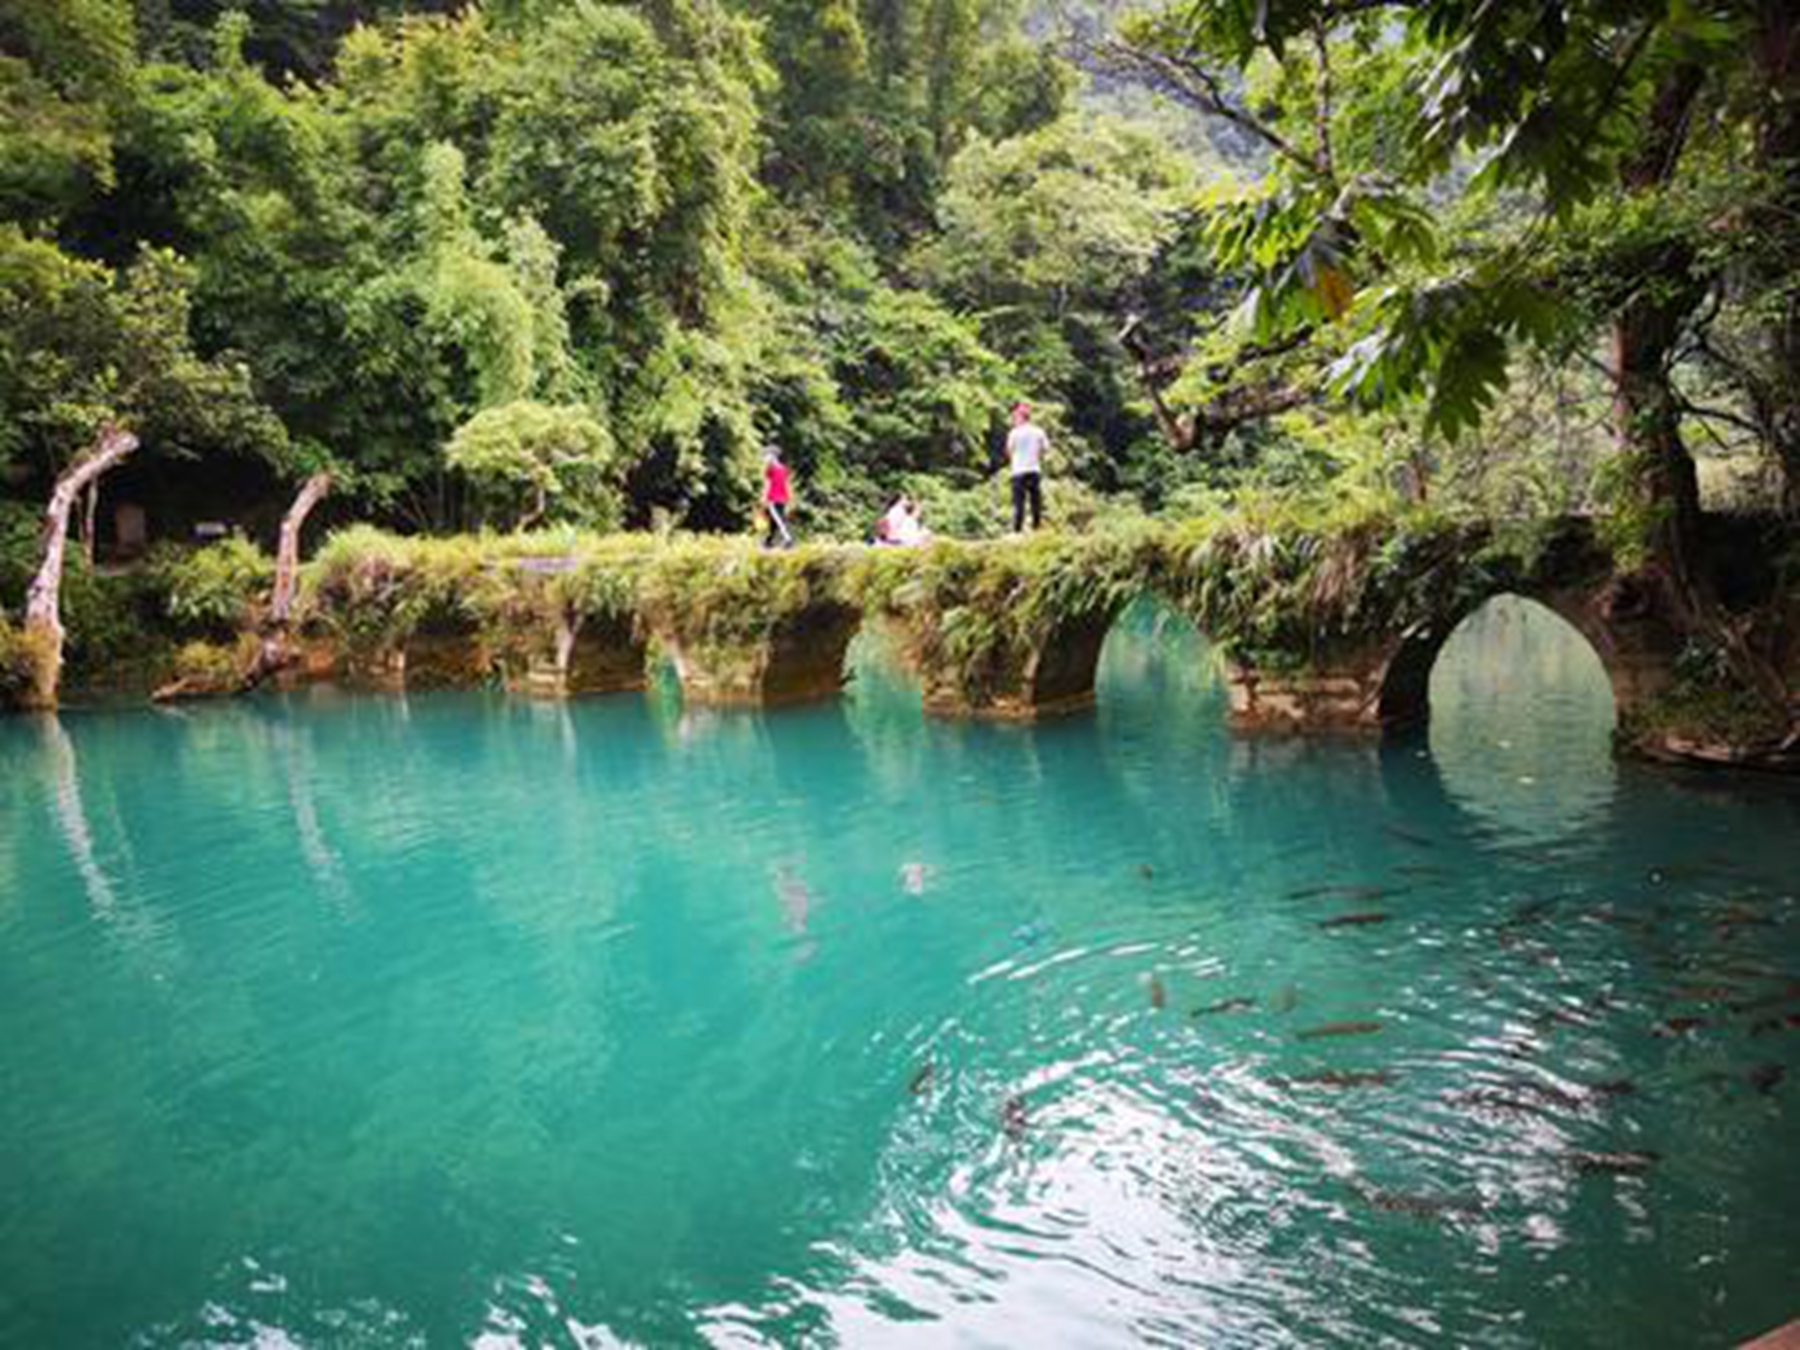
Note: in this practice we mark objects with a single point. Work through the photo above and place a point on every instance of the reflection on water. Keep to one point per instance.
(474, 1021)
(1522, 720)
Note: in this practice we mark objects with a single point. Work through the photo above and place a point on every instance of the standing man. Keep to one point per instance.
(775, 500)
(1025, 446)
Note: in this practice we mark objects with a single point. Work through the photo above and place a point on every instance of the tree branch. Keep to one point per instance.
(1322, 106)
(1185, 79)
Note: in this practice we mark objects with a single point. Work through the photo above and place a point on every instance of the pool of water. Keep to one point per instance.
(457, 1020)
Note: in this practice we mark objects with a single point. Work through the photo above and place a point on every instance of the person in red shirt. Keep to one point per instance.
(775, 501)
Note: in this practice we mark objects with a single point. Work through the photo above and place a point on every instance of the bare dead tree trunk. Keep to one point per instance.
(43, 601)
(276, 651)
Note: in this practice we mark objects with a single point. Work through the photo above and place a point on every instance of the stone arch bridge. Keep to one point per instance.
(1319, 632)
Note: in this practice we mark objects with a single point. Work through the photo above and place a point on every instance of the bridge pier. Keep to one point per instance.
(798, 660)
(1342, 693)
(1049, 677)
(443, 658)
(577, 657)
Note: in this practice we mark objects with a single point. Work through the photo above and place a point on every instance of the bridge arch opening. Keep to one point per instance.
(1521, 717)
(1508, 653)
(1153, 660)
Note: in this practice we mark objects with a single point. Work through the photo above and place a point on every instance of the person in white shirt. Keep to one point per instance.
(1025, 446)
(901, 525)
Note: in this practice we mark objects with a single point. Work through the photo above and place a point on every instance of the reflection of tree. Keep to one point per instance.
(133, 926)
(72, 820)
(297, 770)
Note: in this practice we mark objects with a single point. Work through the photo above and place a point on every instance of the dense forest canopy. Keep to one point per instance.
(583, 261)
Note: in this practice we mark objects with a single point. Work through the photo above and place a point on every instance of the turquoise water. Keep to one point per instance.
(453, 1020)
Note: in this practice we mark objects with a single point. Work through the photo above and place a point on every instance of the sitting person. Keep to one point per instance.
(901, 526)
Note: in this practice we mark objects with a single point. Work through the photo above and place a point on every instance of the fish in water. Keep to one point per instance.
(1704, 993)
(1765, 1078)
(1208, 1102)
(1288, 999)
(1677, 1026)
(1553, 1017)
(1159, 995)
(923, 1078)
(1343, 1078)
(1340, 1029)
(1408, 837)
(1224, 1005)
(1422, 870)
(1614, 1087)
(1361, 920)
(1493, 1099)
(1765, 1026)
(1146, 871)
(1423, 1206)
(1013, 1118)
(1347, 892)
(1789, 995)
(1627, 1163)
(1545, 1092)
(1528, 913)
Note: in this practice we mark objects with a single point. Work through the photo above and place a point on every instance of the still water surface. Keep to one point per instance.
(454, 1020)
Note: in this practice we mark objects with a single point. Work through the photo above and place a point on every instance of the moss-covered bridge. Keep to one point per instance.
(1319, 629)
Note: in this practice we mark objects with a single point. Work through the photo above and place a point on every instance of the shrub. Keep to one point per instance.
(213, 590)
(203, 667)
(22, 656)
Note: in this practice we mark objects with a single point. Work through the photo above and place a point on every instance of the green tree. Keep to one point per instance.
(540, 461)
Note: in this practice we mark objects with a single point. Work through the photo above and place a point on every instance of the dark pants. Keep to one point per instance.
(1027, 488)
(778, 528)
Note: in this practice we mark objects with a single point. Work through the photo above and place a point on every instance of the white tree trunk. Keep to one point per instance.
(275, 652)
(43, 601)
(287, 553)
